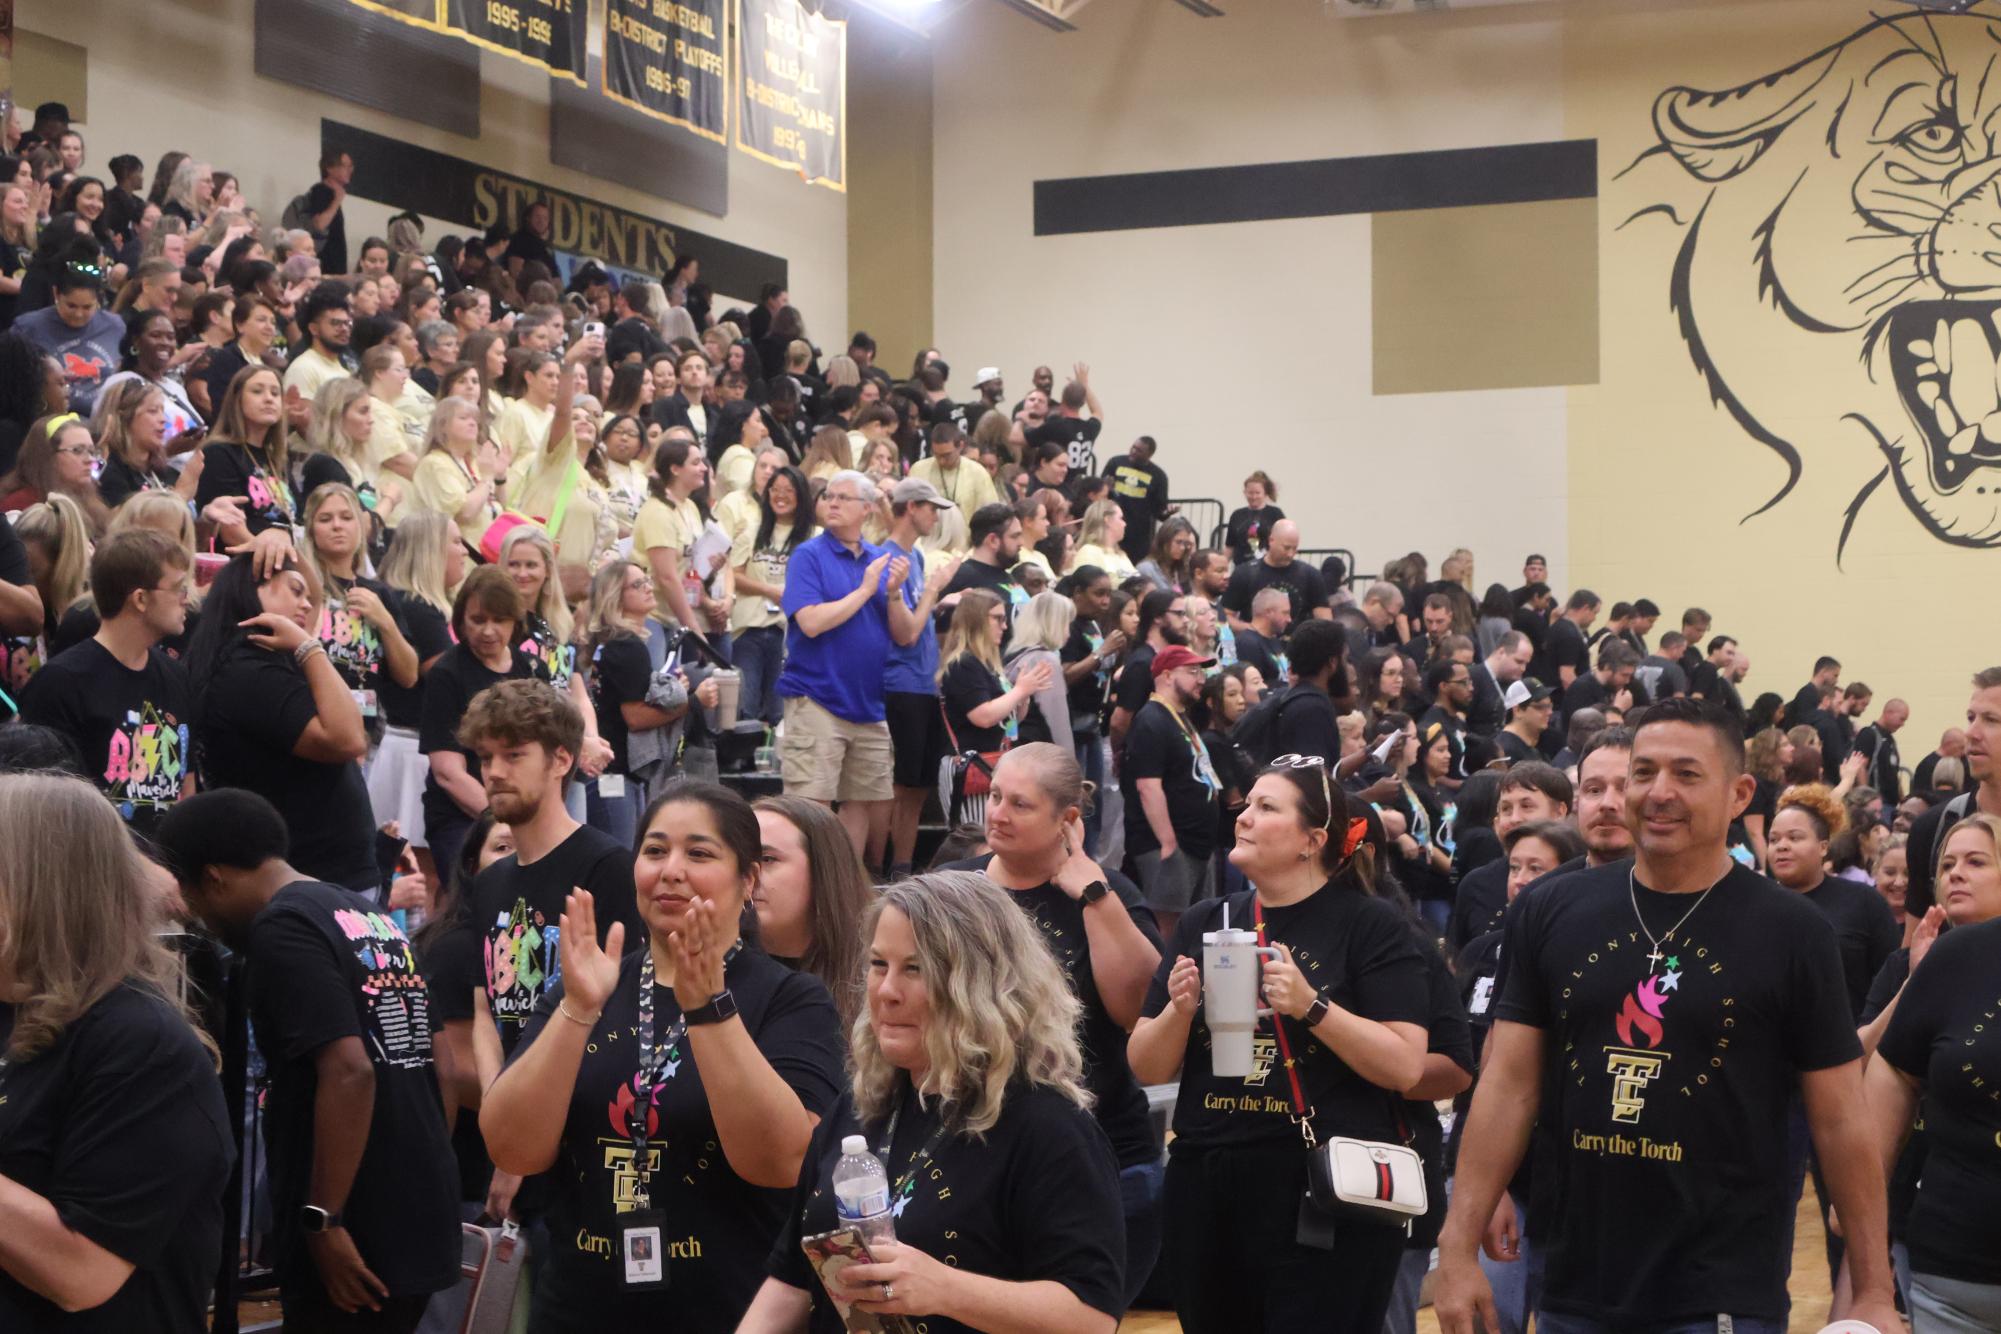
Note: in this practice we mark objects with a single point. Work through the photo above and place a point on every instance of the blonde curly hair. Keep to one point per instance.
(1818, 802)
(1001, 1009)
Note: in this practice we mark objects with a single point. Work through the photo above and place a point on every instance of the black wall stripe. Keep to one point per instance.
(1452, 178)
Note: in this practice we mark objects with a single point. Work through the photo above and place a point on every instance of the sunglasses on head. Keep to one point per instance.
(1296, 761)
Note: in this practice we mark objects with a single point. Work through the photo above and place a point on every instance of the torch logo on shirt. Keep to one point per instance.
(1635, 1065)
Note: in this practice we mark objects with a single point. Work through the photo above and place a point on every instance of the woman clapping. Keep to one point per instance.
(675, 1088)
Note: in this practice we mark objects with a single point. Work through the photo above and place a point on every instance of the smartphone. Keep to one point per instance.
(593, 330)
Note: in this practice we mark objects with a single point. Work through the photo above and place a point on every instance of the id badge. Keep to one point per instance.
(611, 787)
(642, 1250)
(365, 701)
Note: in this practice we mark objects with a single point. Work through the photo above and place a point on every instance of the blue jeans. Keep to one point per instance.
(617, 816)
(1091, 759)
(1401, 1318)
(760, 656)
(1550, 1322)
(1437, 914)
(1139, 1195)
(1517, 1284)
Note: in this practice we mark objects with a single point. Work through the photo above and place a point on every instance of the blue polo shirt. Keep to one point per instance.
(912, 669)
(841, 670)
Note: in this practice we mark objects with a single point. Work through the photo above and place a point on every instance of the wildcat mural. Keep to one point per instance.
(1838, 278)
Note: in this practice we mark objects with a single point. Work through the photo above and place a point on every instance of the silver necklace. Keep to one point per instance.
(1633, 896)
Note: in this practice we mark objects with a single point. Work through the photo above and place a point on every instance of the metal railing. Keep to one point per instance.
(1205, 513)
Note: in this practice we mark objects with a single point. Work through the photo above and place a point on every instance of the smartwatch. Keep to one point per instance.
(1316, 1011)
(315, 1219)
(1094, 891)
(721, 1006)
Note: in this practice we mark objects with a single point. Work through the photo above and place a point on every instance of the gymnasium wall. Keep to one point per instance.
(1434, 273)
(180, 75)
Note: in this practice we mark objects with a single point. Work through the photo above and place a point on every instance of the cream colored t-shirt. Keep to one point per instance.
(767, 565)
(310, 371)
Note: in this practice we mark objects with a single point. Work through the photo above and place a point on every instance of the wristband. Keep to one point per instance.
(563, 1008)
(307, 650)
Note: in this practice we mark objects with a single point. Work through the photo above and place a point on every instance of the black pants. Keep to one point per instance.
(1232, 1222)
(314, 1314)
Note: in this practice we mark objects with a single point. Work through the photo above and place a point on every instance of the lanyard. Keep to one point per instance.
(1301, 1112)
(907, 1182)
(653, 1061)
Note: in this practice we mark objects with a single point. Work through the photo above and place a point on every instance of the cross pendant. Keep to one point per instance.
(1655, 959)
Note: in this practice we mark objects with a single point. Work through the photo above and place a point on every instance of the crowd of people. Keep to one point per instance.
(542, 691)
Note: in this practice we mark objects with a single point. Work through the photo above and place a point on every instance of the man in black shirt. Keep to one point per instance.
(364, 1187)
(1607, 685)
(1530, 792)
(1662, 1064)
(1982, 743)
(1140, 487)
(1706, 680)
(1277, 569)
(1491, 677)
(526, 734)
(1951, 745)
(1450, 685)
(987, 384)
(117, 696)
(1826, 675)
(1877, 744)
(1163, 621)
(1069, 427)
(1535, 571)
(1695, 623)
(1171, 791)
(1262, 643)
(1565, 647)
(1838, 733)
(1437, 623)
(1305, 723)
(1530, 704)
(1645, 613)
(996, 538)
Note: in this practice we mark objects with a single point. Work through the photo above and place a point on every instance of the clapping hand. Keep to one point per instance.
(590, 970)
(899, 570)
(701, 946)
(1926, 935)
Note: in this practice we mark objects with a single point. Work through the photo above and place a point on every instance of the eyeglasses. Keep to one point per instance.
(78, 451)
(181, 590)
(833, 496)
(1294, 761)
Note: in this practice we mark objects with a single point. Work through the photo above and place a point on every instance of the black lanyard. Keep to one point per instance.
(906, 1183)
(652, 1062)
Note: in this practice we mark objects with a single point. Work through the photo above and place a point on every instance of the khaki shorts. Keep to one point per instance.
(826, 758)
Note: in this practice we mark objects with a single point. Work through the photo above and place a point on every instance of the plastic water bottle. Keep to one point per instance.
(861, 1191)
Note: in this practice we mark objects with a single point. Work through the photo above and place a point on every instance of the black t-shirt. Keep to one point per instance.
(1665, 1088)
(621, 672)
(517, 909)
(1248, 530)
(1660, 677)
(1447, 1034)
(1487, 713)
(1360, 953)
(1943, 1034)
(1159, 746)
(233, 470)
(1089, 693)
(325, 965)
(448, 690)
(1879, 748)
(1564, 646)
(1120, 1104)
(452, 971)
(430, 634)
(1140, 490)
(120, 480)
(1910, 1167)
(1036, 1198)
(719, 1226)
(525, 245)
(1586, 692)
(1927, 837)
(1134, 686)
(1267, 655)
(1865, 929)
(353, 644)
(1302, 584)
(131, 727)
(1515, 750)
(1921, 773)
(252, 714)
(1437, 718)
(1480, 903)
(121, 1126)
(1078, 435)
(223, 364)
(978, 574)
(967, 684)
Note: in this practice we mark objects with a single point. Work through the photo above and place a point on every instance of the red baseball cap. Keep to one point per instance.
(1178, 655)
